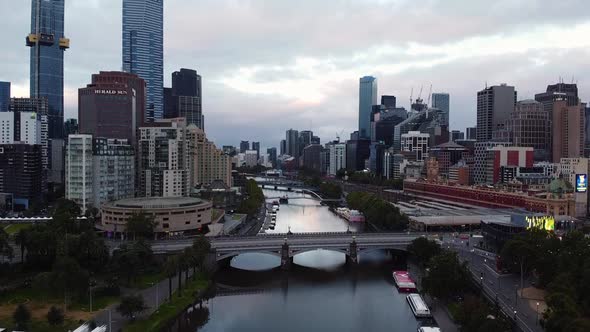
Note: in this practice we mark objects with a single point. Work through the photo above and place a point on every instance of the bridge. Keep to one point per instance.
(287, 245)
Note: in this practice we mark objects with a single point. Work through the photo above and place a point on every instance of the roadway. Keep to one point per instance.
(502, 288)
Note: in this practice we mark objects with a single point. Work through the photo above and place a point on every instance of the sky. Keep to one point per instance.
(268, 66)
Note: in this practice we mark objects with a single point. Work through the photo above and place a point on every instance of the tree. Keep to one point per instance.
(21, 316)
(424, 249)
(446, 276)
(201, 248)
(341, 173)
(5, 248)
(131, 305)
(55, 316)
(68, 277)
(520, 252)
(170, 269)
(21, 239)
(141, 224)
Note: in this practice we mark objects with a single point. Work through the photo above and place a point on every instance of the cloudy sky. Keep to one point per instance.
(269, 65)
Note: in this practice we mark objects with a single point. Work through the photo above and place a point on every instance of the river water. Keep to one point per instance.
(319, 293)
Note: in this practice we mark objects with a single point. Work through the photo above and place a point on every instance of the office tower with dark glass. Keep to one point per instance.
(4, 96)
(442, 102)
(48, 43)
(143, 49)
(184, 99)
(367, 98)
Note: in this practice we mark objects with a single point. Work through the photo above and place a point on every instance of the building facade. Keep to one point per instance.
(479, 174)
(471, 133)
(494, 106)
(184, 99)
(98, 170)
(21, 173)
(112, 106)
(292, 143)
(415, 143)
(143, 49)
(209, 163)
(163, 160)
(367, 98)
(4, 96)
(48, 43)
(311, 157)
(337, 158)
(244, 146)
(506, 156)
(530, 125)
(442, 101)
(568, 130)
(272, 156)
(559, 91)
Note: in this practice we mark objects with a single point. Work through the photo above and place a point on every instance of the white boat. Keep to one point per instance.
(418, 306)
(350, 215)
(428, 329)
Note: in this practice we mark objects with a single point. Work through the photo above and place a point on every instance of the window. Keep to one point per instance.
(166, 225)
(187, 222)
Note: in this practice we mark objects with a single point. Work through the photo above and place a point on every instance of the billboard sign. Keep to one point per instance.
(540, 222)
(581, 183)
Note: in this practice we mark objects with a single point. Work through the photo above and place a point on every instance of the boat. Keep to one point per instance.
(403, 282)
(350, 215)
(428, 329)
(284, 200)
(418, 306)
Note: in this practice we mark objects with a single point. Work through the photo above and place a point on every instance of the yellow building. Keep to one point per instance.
(209, 163)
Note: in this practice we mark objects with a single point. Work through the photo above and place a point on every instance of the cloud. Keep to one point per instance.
(268, 66)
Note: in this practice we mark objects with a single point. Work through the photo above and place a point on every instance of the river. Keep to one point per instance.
(319, 293)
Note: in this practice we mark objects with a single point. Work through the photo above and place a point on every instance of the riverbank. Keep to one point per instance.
(171, 309)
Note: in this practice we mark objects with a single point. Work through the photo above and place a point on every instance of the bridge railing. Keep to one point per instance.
(316, 234)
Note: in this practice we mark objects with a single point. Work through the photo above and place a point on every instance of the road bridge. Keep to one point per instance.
(286, 246)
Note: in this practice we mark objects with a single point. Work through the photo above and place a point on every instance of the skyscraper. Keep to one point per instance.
(48, 43)
(272, 156)
(442, 102)
(244, 146)
(471, 133)
(184, 98)
(367, 98)
(530, 125)
(559, 91)
(4, 96)
(292, 143)
(283, 147)
(143, 49)
(388, 101)
(256, 146)
(567, 130)
(494, 106)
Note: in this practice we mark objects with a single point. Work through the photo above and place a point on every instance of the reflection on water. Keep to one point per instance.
(319, 293)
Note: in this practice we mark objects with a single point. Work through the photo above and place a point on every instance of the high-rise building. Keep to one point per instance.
(272, 156)
(568, 130)
(209, 163)
(587, 132)
(4, 96)
(229, 150)
(383, 122)
(471, 133)
(21, 173)
(256, 147)
(292, 143)
(367, 98)
(315, 140)
(143, 49)
(376, 152)
(250, 158)
(184, 99)
(559, 91)
(456, 135)
(337, 158)
(311, 157)
(442, 102)
(530, 125)
(112, 106)
(494, 106)
(48, 43)
(163, 160)
(244, 146)
(357, 152)
(428, 121)
(388, 101)
(20, 127)
(71, 127)
(283, 147)
(40, 107)
(447, 154)
(98, 170)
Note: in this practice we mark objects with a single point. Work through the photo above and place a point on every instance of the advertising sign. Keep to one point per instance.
(581, 183)
(540, 222)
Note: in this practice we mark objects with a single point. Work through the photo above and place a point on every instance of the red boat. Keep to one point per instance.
(403, 281)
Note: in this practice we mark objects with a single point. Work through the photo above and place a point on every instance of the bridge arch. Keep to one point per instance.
(225, 255)
(293, 253)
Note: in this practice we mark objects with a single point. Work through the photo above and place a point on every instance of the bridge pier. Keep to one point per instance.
(286, 258)
(352, 256)
(211, 261)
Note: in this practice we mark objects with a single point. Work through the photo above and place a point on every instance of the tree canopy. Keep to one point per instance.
(131, 305)
(141, 225)
(377, 211)
(446, 276)
(424, 249)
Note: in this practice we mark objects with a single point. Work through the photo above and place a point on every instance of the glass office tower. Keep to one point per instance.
(48, 43)
(143, 49)
(367, 98)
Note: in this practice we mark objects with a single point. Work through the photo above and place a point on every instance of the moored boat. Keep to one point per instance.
(403, 281)
(418, 306)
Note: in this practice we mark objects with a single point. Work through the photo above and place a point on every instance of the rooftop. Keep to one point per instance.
(155, 202)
